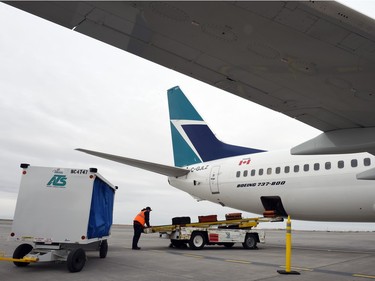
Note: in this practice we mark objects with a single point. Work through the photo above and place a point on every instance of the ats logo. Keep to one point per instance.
(245, 161)
(58, 181)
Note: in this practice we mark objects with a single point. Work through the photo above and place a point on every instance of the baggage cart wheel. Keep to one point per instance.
(21, 251)
(103, 250)
(197, 241)
(76, 260)
(250, 241)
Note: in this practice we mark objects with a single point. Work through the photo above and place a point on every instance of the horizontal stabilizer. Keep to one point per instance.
(169, 171)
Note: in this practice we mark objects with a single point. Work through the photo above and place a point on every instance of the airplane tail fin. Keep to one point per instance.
(193, 141)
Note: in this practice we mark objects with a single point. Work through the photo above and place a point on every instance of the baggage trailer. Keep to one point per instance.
(225, 232)
(60, 214)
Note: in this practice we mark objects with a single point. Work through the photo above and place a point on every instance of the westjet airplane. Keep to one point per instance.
(319, 187)
(311, 60)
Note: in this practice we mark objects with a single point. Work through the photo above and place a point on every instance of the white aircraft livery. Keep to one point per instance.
(336, 187)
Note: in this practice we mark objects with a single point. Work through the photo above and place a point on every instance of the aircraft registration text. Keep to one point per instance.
(199, 168)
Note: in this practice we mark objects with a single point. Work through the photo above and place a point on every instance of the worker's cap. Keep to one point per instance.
(148, 208)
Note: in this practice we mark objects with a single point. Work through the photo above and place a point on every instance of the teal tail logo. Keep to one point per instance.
(58, 181)
(193, 141)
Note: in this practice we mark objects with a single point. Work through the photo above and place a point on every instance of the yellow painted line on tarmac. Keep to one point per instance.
(299, 268)
(238, 261)
(364, 276)
(193, 256)
(27, 260)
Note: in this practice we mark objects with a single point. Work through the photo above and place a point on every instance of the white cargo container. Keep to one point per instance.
(63, 212)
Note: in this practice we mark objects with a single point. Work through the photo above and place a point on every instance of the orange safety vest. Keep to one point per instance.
(141, 217)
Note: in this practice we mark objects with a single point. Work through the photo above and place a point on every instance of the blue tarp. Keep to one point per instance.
(101, 211)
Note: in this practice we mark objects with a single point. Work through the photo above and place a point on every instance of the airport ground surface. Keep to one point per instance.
(316, 255)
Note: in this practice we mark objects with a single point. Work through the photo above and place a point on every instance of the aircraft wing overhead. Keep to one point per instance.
(313, 61)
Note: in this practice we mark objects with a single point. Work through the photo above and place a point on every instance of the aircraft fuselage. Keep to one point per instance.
(323, 187)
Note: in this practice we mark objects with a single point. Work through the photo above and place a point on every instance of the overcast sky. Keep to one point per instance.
(61, 90)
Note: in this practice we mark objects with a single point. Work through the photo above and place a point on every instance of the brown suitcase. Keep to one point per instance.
(210, 218)
(233, 216)
(269, 214)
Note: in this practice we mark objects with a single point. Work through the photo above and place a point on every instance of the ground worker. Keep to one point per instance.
(140, 220)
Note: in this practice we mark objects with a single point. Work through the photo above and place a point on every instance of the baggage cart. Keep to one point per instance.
(220, 232)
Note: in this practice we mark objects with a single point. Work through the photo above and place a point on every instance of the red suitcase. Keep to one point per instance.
(210, 218)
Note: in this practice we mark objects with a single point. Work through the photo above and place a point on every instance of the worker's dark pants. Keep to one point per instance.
(138, 229)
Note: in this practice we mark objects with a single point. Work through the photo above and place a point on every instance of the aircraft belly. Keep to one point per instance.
(332, 205)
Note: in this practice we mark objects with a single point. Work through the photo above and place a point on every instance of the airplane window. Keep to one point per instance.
(260, 172)
(340, 164)
(316, 167)
(245, 173)
(238, 174)
(269, 171)
(367, 161)
(354, 163)
(306, 167)
(277, 170)
(328, 165)
(286, 169)
(296, 168)
(252, 172)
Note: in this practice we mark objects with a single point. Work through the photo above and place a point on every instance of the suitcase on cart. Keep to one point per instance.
(181, 220)
(233, 216)
(210, 218)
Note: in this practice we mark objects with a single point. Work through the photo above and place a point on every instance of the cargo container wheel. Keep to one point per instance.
(76, 260)
(103, 250)
(21, 251)
(197, 241)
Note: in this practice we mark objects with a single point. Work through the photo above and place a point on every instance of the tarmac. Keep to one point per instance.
(316, 255)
